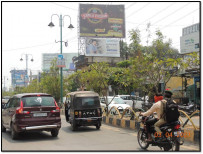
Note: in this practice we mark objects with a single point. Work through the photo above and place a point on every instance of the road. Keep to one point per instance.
(108, 138)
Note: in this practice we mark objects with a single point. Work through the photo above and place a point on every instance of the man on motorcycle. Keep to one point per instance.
(158, 107)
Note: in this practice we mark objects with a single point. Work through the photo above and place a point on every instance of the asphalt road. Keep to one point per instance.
(108, 138)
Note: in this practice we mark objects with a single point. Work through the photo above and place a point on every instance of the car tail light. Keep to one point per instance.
(177, 127)
(98, 111)
(19, 110)
(80, 114)
(57, 108)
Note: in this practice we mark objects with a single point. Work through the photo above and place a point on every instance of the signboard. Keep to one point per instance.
(102, 21)
(47, 58)
(61, 63)
(19, 77)
(102, 47)
(60, 57)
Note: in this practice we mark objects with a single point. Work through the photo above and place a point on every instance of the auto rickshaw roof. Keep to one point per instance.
(83, 93)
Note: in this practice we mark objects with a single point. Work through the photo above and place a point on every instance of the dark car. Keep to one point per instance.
(31, 112)
(82, 108)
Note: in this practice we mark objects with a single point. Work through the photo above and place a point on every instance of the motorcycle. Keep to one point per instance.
(189, 109)
(172, 136)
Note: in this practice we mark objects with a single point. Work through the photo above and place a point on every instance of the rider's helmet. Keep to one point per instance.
(168, 93)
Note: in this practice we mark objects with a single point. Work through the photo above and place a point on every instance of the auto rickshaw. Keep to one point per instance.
(82, 108)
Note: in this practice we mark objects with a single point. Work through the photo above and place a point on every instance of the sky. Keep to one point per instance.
(25, 28)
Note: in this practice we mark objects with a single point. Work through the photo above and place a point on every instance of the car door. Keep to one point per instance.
(8, 113)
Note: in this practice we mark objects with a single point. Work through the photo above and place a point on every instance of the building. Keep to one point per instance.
(189, 41)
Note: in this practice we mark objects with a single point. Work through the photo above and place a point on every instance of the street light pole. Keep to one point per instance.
(61, 21)
(61, 69)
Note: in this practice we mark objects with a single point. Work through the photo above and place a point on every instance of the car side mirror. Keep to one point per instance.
(3, 106)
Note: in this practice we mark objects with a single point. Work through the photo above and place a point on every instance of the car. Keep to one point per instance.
(118, 103)
(31, 112)
(82, 108)
(129, 100)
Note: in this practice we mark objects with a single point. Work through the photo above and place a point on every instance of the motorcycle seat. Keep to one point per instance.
(169, 124)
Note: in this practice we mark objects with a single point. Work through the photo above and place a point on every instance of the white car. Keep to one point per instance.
(137, 100)
(118, 103)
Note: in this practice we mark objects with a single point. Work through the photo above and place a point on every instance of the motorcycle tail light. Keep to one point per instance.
(177, 127)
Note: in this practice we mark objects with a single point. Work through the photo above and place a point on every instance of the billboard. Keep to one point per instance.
(102, 47)
(68, 57)
(19, 78)
(106, 21)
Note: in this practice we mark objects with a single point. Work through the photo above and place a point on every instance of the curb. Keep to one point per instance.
(191, 134)
(130, 124)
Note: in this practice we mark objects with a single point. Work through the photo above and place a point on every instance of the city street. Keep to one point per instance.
(108, 138)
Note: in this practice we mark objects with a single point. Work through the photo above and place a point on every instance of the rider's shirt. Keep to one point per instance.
(157, 107)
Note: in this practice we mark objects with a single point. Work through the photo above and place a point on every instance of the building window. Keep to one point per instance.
(196, 45)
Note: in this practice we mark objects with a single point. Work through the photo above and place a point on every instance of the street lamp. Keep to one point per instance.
(61, 24)
(26, 58)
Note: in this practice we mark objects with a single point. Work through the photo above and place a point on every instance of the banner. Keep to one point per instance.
(102, 21)
(102, 47)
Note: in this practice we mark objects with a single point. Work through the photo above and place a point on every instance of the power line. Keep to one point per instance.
(64, 6)
(130, 5)
(180, 18)
(172, 13)
(157, 13)
(177, 20)
(138, 10)
(28, 47)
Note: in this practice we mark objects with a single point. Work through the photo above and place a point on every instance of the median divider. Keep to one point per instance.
(124, 123)
(191, 132)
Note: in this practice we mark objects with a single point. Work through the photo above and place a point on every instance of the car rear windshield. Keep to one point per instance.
(32, 101)
(86, 102)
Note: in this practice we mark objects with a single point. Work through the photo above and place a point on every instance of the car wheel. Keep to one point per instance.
(98, 125)
(73, 125)
(14, 134)
(3, 129)
(54, 132)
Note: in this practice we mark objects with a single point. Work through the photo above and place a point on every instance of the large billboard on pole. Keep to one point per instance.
(102, 21)
(102, 47)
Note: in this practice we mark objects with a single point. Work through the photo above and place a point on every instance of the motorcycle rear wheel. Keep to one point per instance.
(141, 138)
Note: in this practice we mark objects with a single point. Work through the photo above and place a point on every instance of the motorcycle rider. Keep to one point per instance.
(157, 107)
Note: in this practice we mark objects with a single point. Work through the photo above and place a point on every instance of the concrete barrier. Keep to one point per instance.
(124, 123)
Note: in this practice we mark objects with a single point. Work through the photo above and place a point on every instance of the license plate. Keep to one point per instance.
(39, 114)
(177, 133)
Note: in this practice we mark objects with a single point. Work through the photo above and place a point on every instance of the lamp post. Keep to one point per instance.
(61, 24)
(26, 58)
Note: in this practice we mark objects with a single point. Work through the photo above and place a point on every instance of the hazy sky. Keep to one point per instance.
(25, 27)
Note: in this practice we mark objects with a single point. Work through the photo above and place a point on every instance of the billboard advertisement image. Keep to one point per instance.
(102, 47)
(19, 78)
(102, 21)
